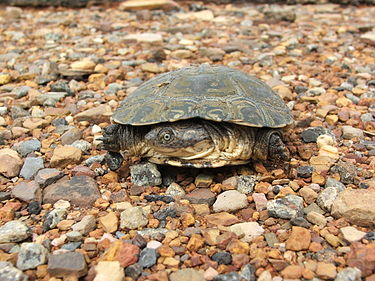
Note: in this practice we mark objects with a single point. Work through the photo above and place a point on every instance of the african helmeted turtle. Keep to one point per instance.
(200, 116)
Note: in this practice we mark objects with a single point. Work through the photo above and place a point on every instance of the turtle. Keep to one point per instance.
(203, 116)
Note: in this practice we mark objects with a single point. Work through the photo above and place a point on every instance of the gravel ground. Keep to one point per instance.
(65, 215)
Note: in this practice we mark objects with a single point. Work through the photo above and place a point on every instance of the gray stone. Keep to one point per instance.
(230, 200)
(153, 232)
(133, 271)
(28, 146)
(147, 257)
(231, 276)
(349, 274)
(83, 145)
(31, 255)
(313, 207)
(300, 221)
(248, 272)
(175, 190)
(290, 206)
(349, 132)
(9, 273)
(133, 218)
(167, 211)
(48, 176)
(246, 184)
(311, 134)
(305, 171)
(53, 218)
(187, 274)
(81, 191)
(280, 13)
(317, 219)
(331, 182)
(326, 198)
(74, 236)
(50, 98)
(27, 191)
(71, 136)
(67, 264)
(346, 170)
(222, 258)
(145, 174)
(87, 224)
(14, 231)
(31, 166)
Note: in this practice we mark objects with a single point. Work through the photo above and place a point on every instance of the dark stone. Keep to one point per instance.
(305, 171)
(346, 170)
(136, 190)
(370, 235)
(139, 241)
(34, 207)
(153, 198)
(119, 196)
(114, 160)
(168, 211)
(222, 258)
(31, 166)
(4, 195)
(81, 191)
(71, 246)
(26, 147)
(48, 176)
(248, 272)
(70, 263)
(300, 221)
(61, 86)
(147, 257)
(311, 134)
(59, 122)
(201, 196)
(232, 276)
(133, 271)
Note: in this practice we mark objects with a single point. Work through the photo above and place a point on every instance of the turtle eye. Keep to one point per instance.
(166, 136)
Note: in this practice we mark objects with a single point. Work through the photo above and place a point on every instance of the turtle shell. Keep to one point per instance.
(214, 93)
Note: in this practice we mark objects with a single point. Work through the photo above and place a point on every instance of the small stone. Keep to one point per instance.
(145, 175)
(95, 114)
(309, 195)
(222, 258)
(175, 190)
(71, 136)
(87, 224)
(369, 38)
(26, 147)
(27, 191)
(351, 234)
(248, 272)
(134, 271)
(317, 219)
(53, 218)
(326, 270)
(5, 78)
(31, 166)
(67, 264)
(31, 255)
(222, 218)
(288, 207)
(187, 274)
(349, 132)
(74, 236)
(82, 145)
(65, 155)
(151, 38)
(109, 270)
(84, 64)
(247, 230)
(362, 257)
(299, 239)
(231, 276)
(260, 201)
(265, 276)
(292, 272)
(305, 171)
(147, 257)
(9, 273)
(327, 197)
(300, 221)
(109, 222)
(14, 231)
(311, 134)
(10, 162)
(201, 196)
(203, 180)
(48, 176)
(80, 191)
(210, 274)
(349, 274)
(133, 218)
(125, 253)
(356, 206)
(230, 200)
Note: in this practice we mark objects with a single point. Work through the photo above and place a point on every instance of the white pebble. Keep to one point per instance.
(95, 129)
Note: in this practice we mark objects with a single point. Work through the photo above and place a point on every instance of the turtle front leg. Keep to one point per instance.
(270, 146)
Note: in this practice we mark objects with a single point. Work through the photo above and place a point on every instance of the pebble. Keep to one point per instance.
(349, 132)
(168, 211)
(10, 162)
(48, 176)
(349, 274)
(65, 155)
(311, 134)
(98, 113)
(71, 136)
(53, 218)
(299, 239)
(260, 201)
(26, 147)
(300, 221)
(109, 270)
(175, 190)
(151, 38)
(356, 206)
(305, 171)
(14, 231)
(351, 234)
(27, 191)
(247, 230)
(309, 195)
(134, 270)
(326, 198)
(133, 218)
(203, 180)
(87, 224)
(230, 200)
(31, 255)
(74, 236)
(147, 257)
(145, 175)
(288, 207)
(201, 196)
(81, 191)
(326, 270)
(67, 264)
(292, 272)
(10, 273)
(317, 219)
(222, 258)
(187, 274)
(231, 276)
(31, 166)
(109, 222)
(127, 254)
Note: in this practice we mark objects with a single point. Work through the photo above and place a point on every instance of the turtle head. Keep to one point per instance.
(183, 139)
